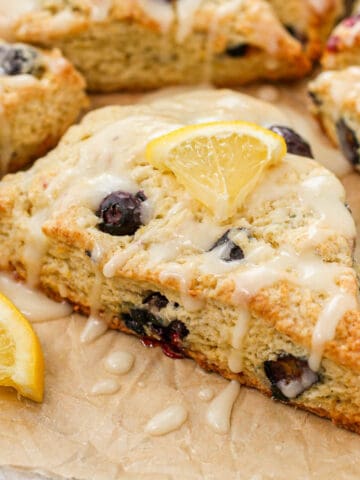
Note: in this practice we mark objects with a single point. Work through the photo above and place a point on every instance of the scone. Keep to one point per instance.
(41, 95)
(268, 297)
(309, 22)
(343, 46)
(335, 101)
(144, 44)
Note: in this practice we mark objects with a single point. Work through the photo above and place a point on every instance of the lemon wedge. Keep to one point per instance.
(218, 163)
(21, 358)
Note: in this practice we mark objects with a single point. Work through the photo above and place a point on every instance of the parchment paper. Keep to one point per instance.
(76, 435)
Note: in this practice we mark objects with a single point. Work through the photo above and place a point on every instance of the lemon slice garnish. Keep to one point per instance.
(218, 163)
(21, 358)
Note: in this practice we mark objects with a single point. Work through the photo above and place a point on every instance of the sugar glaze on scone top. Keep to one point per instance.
(294, 229)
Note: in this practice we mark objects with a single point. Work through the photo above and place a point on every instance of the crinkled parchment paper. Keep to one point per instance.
(76, 435)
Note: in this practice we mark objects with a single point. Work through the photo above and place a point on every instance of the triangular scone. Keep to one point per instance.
(41, 95)
(257, 298)
(343, 46)
(308, 21)
(335, 102)
(142, 44)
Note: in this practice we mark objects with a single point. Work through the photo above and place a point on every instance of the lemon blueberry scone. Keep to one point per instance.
(41, 95)
(343, 46)
(143, 44)
(335, 101)
(309, 21)
(250, 274)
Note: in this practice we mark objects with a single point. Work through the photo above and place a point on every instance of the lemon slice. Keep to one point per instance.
(218, 163)
(21, 358)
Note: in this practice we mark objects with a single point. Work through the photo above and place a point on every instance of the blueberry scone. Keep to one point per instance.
(343, 46)
(41, 95)
(143, 44)
(309, 22)
(335, 101)
(264, 293)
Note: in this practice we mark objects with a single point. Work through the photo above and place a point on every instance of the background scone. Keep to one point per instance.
(309, 22)
(335, 101)
(343, 46)
(258, 298)
(144, 44)
(41, 95)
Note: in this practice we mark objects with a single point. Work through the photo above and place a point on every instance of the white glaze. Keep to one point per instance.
(170, 419)
(238, 334)
(32, 303)
(160, 12)
(119, 362)
(106, 386)
(93, 329)
(100, 9)
(268, 93)
(218, 414)
(324, 331)
(294, 387)
(185, 14)
(221, 11)
(206, 394)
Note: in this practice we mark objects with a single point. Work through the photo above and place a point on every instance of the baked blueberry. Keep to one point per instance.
(289, 376)
(231, 251)
(176, 331)
(348, 142)
(120, 213)
(236, 51)
(294, 142)
(17, 59)
(133, 324)
(155, 300)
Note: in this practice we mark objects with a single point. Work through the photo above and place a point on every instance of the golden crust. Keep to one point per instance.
(101, 48)
(36, 110)
(51, 208)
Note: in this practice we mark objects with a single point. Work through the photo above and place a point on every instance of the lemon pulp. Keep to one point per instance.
(218, 163)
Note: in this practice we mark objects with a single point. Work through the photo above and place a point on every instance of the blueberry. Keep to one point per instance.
(176, 331)
(289, 376)
(236, 51)
(155, 300)
(231, 252)
(294, 142)
(138, 319)
(178, 327)
(120, 213)
(348, 142)
(17, 59)
(133, 324)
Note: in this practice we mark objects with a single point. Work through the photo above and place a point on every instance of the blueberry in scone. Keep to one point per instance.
(294, 142)
(18, 59)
